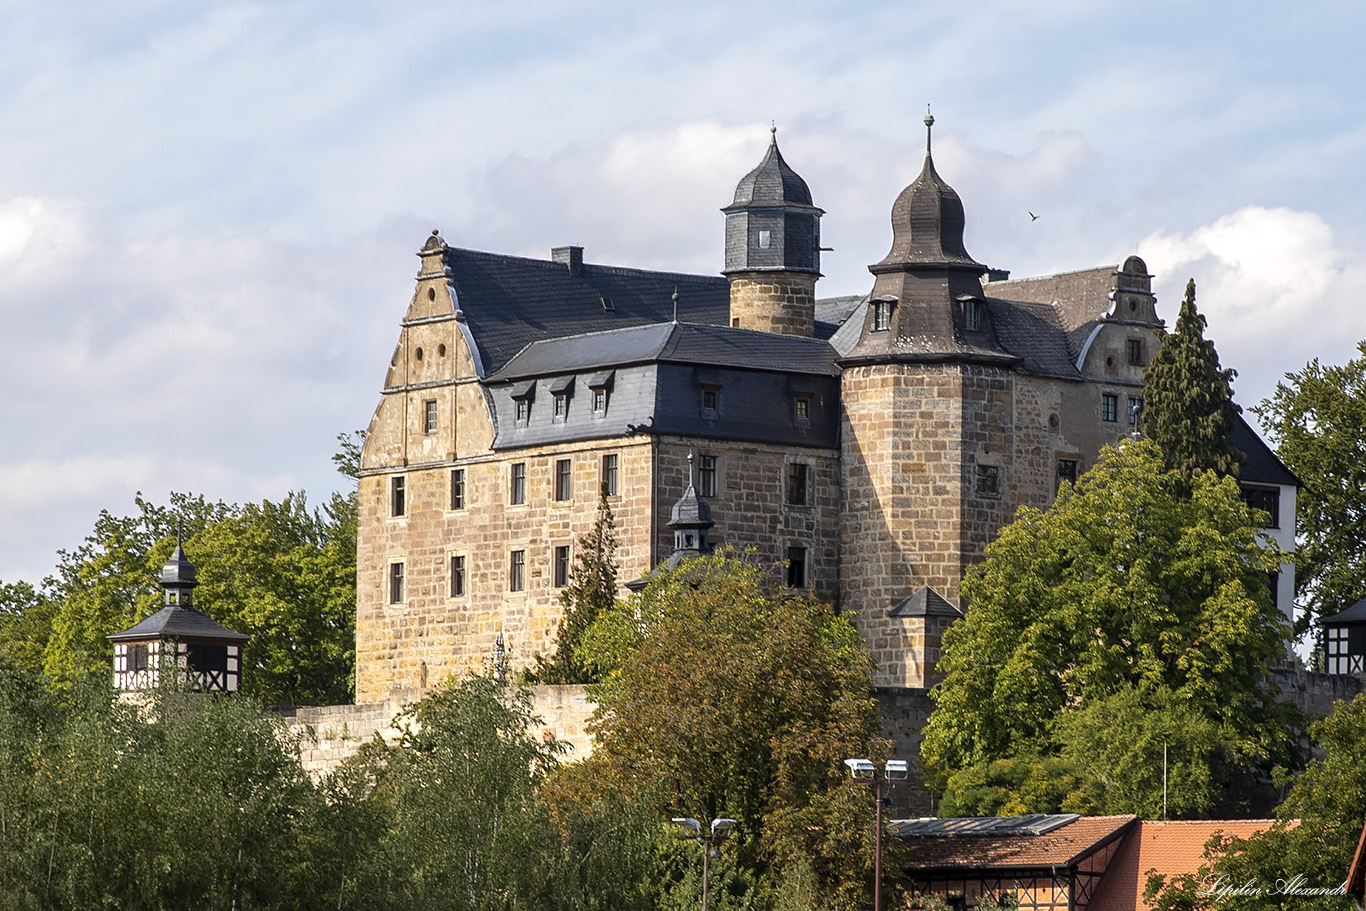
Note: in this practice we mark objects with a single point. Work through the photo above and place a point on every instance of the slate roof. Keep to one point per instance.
(772, 183)
(678, 343)
(1031, 331)
(508, 302)
(178, 622)
(1354, 614)
(926, 602)
(834, 312)
(1169, 847)
(1062, 846)
(1262, 466)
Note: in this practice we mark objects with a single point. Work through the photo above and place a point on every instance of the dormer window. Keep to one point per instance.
(521, 398)
(711, 400)
(801, 409)
(972, 315)
(882, 314)
(561, 389)
(523, 411)
(561, 406)
(598, 384)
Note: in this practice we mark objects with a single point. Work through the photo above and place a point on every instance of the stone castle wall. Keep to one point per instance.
(782, 302)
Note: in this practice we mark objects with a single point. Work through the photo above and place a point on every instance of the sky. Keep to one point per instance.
(208, 211)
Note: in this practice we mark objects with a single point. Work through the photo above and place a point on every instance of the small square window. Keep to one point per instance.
(988, 481)
(1067, 471)
(398, 497)
(517, 571)
(457, 577)
(796, 484)
(561, 405)
(517, 487)
(395, 583)
(1136, 352)
(711, 399)
(429, 416)
(563, 479)
(560, 569)
(1109, 407)
(796, 567)
(802, 407)
(458, 488)
(1135, 410)
(599, 400)
(1267, 499)
(706, 475)
(609, 474)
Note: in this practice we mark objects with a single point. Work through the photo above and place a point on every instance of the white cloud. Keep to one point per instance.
(1274, 286)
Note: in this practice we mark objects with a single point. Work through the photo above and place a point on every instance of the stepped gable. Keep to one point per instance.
(508, 302)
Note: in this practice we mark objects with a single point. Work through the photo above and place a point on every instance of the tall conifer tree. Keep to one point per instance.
(1188, 407)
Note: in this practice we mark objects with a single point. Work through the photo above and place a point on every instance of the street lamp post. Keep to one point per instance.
(893, 770)
(720, 828)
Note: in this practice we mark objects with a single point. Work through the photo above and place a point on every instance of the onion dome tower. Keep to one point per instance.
(178, 638)
(927, 301)
(773, 255)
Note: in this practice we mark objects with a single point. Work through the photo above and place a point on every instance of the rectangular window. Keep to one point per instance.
(523, 410)
(1136, 352)
(988, 481)
(1267, 499)
(802, 407)
(560, 569)
(706, 476)
(458, 488)
(763, 239)
(796, 484)
(517, 488)
(796, 567)
(1067, 471)
(599, 400)
(398, 498)
(561, 405)
(517, 571)
(395, 583)
(971, 318)
(1109, 407)
(429, 417)
(457, 577)
(711, 400)
(1135, 410)
(609, 475)
(137, 657)
(882, 315)
(563, 479)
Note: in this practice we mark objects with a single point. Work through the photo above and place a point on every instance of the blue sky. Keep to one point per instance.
(208, 211)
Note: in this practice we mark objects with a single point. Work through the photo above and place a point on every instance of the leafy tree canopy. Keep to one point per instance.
(1141, 594)
(1188, 407)
(1317, 419)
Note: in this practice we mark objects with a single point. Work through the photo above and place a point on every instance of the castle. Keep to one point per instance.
(867, 448)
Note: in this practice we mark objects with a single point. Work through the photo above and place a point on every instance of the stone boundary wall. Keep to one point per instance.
(332, 733)
(1313, 692)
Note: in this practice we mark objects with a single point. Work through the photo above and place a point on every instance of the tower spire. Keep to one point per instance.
(929, 126)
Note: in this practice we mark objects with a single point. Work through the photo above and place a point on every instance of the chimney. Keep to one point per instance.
(569, 256)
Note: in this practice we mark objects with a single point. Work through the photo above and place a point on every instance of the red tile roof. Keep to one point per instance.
(1060, 847)
(1171, 848)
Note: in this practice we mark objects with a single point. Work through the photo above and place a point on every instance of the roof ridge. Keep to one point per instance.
(550, 263)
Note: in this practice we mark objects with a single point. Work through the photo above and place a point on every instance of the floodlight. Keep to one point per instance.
(895, 770)
(720, 828)
(689, 823)
(860, 769)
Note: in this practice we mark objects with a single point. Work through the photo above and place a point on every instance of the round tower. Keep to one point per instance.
(773, 256)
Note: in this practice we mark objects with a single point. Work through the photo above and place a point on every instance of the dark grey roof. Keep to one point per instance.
(178, 622)
(691, 511)
(1262, 466)
(179, 572)
(1031, 332)
(925, 603)
(834, 312)
(508, 302)
(975, 826)
(1350, 617)
(679, 343)
(927, 224)
(772, 183)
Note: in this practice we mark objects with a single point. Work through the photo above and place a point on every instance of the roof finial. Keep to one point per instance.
(929, 123)
(773, 129)
(689, 467)
(675, 303)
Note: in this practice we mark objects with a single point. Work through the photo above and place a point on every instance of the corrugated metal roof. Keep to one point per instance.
(1061, 846)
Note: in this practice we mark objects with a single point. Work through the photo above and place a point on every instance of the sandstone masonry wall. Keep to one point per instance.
(782, 302)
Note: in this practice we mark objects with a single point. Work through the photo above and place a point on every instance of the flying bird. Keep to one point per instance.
(1032, 216)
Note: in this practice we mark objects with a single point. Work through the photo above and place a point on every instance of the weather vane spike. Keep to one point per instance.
(675, 299)
(929, 122)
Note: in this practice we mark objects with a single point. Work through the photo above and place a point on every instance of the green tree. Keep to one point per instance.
(776, 690)
(592, 590)
(1188, 407)
(1139, 580)
(1317, 419)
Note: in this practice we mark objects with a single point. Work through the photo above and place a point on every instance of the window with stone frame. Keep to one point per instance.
(458, 576)
(1067, 471)
(609, 474)
(561, 405)
(395, 583)
(517, 484)
(798, 477)
(429, 416)
(564, 479)
(796, 566)
(988, 481)
(1137, 352)
(560, 566)
(457, 488)
(398, 496)
(706, 475)
(517, 571)
(1109, 407)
